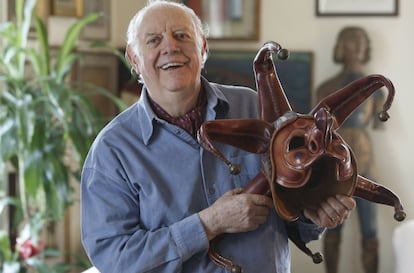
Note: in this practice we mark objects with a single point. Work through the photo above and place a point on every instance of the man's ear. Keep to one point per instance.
(132, 58)
(204, 49)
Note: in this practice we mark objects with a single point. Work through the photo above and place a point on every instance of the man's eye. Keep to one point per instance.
(152, 41)
(182, 36)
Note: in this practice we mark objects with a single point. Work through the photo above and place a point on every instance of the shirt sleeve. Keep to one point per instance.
(111, 228)
(308, 230)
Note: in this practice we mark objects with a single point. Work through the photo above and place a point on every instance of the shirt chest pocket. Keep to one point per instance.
(250, 166)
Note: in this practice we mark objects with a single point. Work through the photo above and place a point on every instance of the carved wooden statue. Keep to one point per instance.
(305, 160)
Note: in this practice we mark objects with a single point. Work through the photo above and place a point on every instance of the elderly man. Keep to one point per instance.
(152, 197)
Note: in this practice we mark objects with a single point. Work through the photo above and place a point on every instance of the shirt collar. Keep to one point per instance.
(217, 107)
(190, 121)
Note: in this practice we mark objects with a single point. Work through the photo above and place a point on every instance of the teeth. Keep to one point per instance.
(169, 65)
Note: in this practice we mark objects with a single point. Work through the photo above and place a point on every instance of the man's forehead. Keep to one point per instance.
(154, 30)
(166, 13)
(158, 19)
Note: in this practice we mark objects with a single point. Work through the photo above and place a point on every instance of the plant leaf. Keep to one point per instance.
(69, 42)
(5, 249)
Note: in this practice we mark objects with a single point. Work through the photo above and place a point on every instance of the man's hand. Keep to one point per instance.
(332, 212)
(235, 212)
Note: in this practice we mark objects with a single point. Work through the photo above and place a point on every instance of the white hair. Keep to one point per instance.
(133, 28)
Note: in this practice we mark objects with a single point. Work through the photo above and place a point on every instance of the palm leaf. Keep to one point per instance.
(43, 56)
(69, 43)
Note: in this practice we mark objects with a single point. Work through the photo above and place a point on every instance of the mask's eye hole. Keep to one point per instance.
(296, 142)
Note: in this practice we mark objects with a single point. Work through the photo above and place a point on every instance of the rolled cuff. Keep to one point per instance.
(190, 236)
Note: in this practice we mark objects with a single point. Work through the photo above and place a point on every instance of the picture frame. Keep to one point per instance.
(99, 29)
(69, 8)
(236, 68)
(357, 8)
(229, 19)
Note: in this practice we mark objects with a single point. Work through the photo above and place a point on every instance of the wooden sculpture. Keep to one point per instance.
(305, 160)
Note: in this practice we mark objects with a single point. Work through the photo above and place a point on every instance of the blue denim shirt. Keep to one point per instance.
(145, 180)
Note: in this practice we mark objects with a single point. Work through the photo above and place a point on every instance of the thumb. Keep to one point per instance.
(233, 192)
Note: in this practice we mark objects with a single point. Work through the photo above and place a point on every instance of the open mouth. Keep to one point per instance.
(169, 66)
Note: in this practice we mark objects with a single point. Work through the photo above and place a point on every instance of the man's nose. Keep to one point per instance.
(170, 45)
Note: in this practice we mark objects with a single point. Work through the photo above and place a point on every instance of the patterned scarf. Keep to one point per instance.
(191, 121)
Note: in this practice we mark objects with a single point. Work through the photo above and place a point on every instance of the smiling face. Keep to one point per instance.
(168, 53)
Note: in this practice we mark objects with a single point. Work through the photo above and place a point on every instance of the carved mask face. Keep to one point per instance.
(306, 154)
(300, 141)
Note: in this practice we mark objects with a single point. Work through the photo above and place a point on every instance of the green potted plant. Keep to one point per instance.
(43, 118)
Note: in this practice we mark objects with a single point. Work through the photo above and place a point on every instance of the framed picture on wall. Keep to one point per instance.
(236, 68)
(99, 29)
(70, 8)
(357, 8)
(228, 19)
